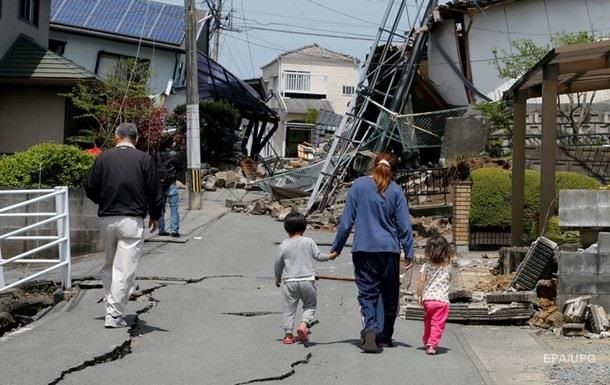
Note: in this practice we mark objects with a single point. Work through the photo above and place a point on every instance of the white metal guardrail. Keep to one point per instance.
(61, 240)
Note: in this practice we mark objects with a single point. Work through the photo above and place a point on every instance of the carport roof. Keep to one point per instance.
(580, 68)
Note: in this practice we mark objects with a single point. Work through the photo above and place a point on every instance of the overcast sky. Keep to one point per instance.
(357, 19)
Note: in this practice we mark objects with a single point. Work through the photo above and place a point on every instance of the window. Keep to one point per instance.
(111, 64)
(57, 46)
(297, 81)
(348, 90)
(28, 11)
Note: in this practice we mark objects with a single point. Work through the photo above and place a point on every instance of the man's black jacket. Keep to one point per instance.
(124, 181)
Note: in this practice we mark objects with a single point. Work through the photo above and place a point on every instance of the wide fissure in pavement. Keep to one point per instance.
(123, 349)
(281, 377)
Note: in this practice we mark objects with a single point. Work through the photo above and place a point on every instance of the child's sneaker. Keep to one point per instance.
(289, 339)
(430, 350)
(303, 332)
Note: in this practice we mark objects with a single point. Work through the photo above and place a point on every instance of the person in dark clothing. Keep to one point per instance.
(171, 164)
(377, 207)
(124, 184)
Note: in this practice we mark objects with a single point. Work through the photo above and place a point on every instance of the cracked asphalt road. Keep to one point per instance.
(209, 314)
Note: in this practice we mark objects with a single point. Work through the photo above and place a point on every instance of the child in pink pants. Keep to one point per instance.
(433, 290)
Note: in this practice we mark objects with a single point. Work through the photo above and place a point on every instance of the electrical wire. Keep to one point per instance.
(341, 12)
(243, 9)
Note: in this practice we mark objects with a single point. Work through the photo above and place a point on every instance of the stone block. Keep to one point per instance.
(603, 244)
(574, 329)
(577, 263)
(577, 285)
(598, 319)
(576, 308)
(466, 135)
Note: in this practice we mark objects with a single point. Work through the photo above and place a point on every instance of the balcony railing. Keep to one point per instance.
(306, 83)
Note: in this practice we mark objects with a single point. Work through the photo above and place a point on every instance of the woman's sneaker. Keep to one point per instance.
(115, 322)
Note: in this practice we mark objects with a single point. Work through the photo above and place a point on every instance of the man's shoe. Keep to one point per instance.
(176, 235)
(369, 342)
(163, 233)
(115, 322)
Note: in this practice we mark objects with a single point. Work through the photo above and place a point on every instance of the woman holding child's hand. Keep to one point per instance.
(377, 207)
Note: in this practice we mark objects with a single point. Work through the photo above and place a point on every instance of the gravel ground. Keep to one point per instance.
(579, 374)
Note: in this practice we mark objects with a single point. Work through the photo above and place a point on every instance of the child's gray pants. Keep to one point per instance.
(293, 292)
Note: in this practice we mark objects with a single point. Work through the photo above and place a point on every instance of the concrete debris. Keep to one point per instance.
(460, 295)
(574, 330)
(495, 285)
(509, 259)
(547, 316)
(575, 309)
(509, 297)
(597, 319)
(547, 288)
(426, 227)
(539, 256)
(476, 312)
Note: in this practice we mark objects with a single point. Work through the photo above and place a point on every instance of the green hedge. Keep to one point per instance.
(491, 191)
(45, 165)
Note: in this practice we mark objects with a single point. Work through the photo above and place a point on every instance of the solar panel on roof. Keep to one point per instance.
(169, 27)
(136, 18)
(107, 15)
(161, 22)
(74, 12)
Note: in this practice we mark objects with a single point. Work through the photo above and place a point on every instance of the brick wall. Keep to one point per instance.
(461, 213)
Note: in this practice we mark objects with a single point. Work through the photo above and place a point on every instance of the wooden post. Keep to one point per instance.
(461, 215)
(518, 172)
(549, 140)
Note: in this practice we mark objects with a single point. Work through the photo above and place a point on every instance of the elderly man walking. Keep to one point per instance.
(124, 184)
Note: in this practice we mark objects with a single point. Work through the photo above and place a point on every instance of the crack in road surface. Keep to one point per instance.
(283, 376)
(252, 313)
(123, 349)
(188, 281)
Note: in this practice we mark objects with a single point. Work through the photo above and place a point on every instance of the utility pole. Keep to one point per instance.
(217, 28)
(193, 142)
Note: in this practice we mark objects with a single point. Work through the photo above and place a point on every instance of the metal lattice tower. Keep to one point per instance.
(381, 95)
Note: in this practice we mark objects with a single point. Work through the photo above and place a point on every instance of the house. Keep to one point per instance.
(32, 78)
(464, 34)
(305, 79)
(98, 34)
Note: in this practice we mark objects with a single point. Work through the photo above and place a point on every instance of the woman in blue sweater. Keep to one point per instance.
(377, 207)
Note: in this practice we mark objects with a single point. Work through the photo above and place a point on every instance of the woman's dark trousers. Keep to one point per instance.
(378, 282)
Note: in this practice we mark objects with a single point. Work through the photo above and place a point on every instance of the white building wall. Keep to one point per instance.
(328, 77)
(84, 50)
(445, 80)
(11, 27)
(500, 26)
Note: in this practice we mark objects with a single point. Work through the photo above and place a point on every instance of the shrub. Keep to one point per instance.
(45, 165)
(554, 233)
(218, 121)
(491, 191)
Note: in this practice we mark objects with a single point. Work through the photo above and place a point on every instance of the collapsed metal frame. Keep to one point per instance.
(355, 131)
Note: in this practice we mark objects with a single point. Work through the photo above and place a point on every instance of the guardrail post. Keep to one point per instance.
(62, 205)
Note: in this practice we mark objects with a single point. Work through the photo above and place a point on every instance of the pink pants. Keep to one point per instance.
(435, 317)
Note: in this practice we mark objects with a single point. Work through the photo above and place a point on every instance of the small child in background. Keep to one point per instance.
(433, 290)
(294, 267)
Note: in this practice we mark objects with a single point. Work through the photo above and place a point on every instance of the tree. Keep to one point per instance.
(512, 66)
(218, 121)
(122, 97)
(499, 119)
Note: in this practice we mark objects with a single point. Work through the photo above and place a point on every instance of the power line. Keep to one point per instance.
(310, 27)
(341, 12)
(248, 39)
(319, 21)
(334, 36)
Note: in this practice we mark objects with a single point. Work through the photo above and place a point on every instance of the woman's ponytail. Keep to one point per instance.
(382, 171)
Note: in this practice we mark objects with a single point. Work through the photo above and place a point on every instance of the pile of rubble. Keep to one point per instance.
(21, 306)
(579, 318)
